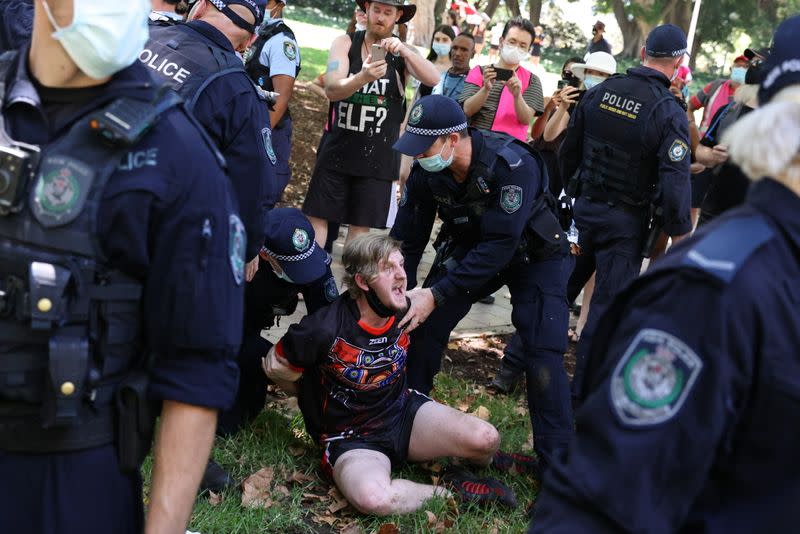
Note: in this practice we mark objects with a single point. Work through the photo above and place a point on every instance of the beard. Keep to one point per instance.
(379, 32)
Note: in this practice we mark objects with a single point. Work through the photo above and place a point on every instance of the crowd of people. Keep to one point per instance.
(144, 149)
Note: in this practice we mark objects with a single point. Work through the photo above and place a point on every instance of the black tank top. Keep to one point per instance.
(362, 128)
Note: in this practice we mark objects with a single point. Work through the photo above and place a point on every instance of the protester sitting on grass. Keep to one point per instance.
(347, 364)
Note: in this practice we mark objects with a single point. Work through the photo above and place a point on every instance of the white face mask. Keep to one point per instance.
(105, 36)
(513, 55)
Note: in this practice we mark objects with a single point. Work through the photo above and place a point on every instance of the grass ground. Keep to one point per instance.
(303, 501)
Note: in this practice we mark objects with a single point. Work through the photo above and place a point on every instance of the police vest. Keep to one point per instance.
(258, 72)
(362, 128)
(614, 166)
(184, 61)
(461, 206)
(70, 325)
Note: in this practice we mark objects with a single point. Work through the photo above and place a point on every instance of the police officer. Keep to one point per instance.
(498, 228)
(690, 420)
(122, 272)
(273, 64)
(16, 20)
(627, 148)
(199, 60)
(291, 263)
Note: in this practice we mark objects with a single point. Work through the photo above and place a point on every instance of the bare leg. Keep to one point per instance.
(320, 229)
(364, 478)
(439, 431)
(588, 289)
(353, 232)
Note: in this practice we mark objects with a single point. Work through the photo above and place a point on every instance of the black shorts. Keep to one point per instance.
(356, 200)
(393, 442)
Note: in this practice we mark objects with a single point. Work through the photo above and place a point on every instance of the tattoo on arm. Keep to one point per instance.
(333, 66)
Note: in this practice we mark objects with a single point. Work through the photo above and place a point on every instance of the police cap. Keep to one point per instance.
(256, 7)
(290, 240)
(666, 40)
(431, 117)
(782, 67)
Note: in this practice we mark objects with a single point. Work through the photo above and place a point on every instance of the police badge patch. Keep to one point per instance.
(510, 198)
(266, 135)
(678, 150)
(653, 378)
(416, 115)
(300, 240)
(331, 291)
(61, 190)
(289, 50)
(404, 196)
(237, 241)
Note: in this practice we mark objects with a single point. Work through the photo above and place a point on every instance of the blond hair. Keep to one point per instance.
(364, 255)
(766, 142)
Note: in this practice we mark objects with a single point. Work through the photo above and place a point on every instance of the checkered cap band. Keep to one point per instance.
(298, 257)
(219, 4)
(440, 131)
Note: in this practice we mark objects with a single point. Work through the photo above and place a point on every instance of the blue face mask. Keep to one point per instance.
(441, 49)
(437, 163)
(590, 80)
(738, 74)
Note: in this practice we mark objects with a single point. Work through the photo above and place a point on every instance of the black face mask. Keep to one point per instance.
(594, 31)
(380, 309)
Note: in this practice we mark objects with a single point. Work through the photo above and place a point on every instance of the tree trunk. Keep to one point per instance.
(679, 13)
(491, 7)
(535, 11)
(634, 32)
(513, 6)
(424, 22)
(698, 40)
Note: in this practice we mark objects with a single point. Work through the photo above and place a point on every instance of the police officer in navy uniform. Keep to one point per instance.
(627, 153)
(16, 20)
(690, 420)
(199, 60)
(273, 64)
(291, 264)
(499, 228)
(122, 281)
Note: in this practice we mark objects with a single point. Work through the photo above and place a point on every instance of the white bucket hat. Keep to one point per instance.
(600, 61)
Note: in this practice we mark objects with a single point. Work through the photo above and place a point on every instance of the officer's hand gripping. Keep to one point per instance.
(422, 304)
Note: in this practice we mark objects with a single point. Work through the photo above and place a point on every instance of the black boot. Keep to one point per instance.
(506, 379)
(216, 478)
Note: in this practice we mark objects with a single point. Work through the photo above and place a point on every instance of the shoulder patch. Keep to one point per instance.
(404, 196)
(724, 250)
(510, 198)
(678, 150)
(61, 190)
(266, 136)
(237, 241)
(289, 50)
(653, 378)
(331, 291)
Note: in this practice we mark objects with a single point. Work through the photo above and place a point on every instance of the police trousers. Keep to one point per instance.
(611, 239)
(540, 315)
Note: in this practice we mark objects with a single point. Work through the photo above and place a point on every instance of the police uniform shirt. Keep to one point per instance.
(238, 123)
(666, 135)
(166, 219)
(354, 376)
(280, 54)
(690, 419)
(16, 23)
(517, 183)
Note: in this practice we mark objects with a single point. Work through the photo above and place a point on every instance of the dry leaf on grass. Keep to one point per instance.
(296, 450)
(482, 412)
(328, 519)
(214, 499)
(351, 528)
(520, 410)
(283, 491)
(339, 501)
(431, 518)
(453, 345)
(299, 477)
(255, 489)
(388, 528)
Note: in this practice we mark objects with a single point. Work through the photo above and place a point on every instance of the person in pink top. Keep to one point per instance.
(505, 106)
(718, 93)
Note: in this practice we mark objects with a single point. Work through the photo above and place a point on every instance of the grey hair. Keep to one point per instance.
(766, 142)
(363, 255)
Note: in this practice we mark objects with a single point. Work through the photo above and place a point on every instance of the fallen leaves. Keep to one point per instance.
(339, 501)
(388, 528)
(215, 499)
(482, 412)
(255, 489)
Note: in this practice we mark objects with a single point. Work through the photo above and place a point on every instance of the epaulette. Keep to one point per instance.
(723, 251)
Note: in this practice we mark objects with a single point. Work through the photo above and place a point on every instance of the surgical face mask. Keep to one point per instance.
(437, 163)
(738, 74)
(441, 49)
(513, 55)
(590, 80)
(104, 37)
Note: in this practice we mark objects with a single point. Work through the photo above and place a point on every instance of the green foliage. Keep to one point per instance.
(314, 62)
(319, 16)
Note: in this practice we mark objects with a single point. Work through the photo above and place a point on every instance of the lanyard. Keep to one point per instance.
(444, 85)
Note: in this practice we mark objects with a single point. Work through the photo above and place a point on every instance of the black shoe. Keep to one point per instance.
(489, 299)
(216, 478)
(479, 490)
(511, 462)
(507, 378)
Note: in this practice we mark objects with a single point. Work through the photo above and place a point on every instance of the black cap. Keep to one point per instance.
(751, 53)
(782, 67)
(256, 7)
(431, 117)
(290, 240)
(666, 40)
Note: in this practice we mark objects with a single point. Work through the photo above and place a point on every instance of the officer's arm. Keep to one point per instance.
(339, 84)
(663, 383)
(571, 152)
(674, 160)
(284, 86)
(280, 54)
(502, 226)
(415, 216)
(183, 443)
(320, 292)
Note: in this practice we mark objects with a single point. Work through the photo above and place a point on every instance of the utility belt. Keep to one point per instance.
(545, 234)
(615, 199)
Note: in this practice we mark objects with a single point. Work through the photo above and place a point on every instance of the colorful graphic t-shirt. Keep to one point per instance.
(354, 376)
